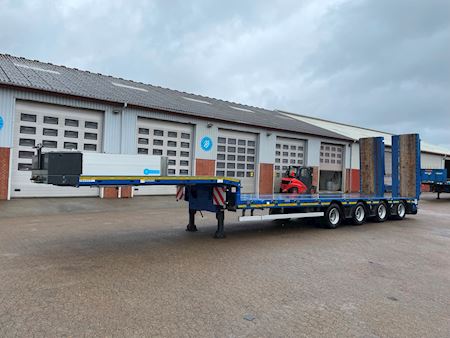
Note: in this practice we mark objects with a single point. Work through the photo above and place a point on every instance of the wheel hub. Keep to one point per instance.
(359, 213)
(381, 211)
(334, 216)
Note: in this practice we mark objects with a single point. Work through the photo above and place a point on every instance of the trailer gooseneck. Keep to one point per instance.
(217, 194)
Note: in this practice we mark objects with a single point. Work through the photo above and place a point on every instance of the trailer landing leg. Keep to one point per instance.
(191, 227)
(220, 215)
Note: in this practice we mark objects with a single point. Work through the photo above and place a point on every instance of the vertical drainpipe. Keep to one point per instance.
(350, 170)
(125, 105)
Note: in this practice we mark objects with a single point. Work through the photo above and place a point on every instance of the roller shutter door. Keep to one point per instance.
(288, 151)
(331, 157)
(163, 138)
(57, 128)
(236, 157)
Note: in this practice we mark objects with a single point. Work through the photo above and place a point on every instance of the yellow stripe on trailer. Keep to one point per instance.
(287, 204)
(157, 178)
(309, 204)
(261, 205)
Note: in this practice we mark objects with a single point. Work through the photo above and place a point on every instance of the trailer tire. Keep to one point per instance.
(400, 211)
(381, 212)
(333, 216)
(359, 214)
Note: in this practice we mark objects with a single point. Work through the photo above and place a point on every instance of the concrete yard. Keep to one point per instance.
(91, 267)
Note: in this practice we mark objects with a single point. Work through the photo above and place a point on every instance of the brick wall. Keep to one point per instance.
(353, 175)
(110, 192)
(315, 180)
(126, 192)
(4, 172)
(205, 167)
(265, 178)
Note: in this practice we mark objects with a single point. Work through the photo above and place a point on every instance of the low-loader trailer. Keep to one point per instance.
(217, 194)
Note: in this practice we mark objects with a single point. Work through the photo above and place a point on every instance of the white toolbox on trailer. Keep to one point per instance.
(95, 164)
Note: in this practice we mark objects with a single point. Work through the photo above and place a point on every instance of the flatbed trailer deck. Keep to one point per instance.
(217, 194)
(198, 191)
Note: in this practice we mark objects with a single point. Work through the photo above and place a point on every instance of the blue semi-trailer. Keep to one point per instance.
(437, 179)
(217, 194)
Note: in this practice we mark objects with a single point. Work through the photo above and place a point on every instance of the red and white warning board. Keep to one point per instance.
(219, 196)
(180, 192)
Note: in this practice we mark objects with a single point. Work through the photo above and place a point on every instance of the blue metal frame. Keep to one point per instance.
(418, 166)
(379, 166)
(395, 164)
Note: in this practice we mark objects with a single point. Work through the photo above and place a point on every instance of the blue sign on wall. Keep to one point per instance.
(1, 123)
(206, 143)
(151, 172)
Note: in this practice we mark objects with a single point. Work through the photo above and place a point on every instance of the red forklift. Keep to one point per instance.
(298, 180)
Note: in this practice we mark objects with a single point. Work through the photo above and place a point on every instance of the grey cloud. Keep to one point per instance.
(382, 64)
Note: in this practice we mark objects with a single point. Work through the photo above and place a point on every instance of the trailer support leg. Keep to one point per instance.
(191, 227)
(220, 215)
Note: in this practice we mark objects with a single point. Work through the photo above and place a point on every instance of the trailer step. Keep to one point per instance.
(280, 216)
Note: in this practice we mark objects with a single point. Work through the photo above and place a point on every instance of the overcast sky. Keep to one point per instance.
(383, 64)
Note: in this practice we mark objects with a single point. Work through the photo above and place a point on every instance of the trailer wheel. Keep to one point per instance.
(381, 212)
(359, 214)
(333, 216)
(400, 211)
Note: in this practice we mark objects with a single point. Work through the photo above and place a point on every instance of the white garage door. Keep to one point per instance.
(57, 128)
(174, 140)
(331, 164)
(331, 157)
(236, 157)
(288, 151)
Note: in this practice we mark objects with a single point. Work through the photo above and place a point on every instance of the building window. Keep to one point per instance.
(90, 136)
(70, 134)
(49, 144)
(90, 147)
(50, 120)
(27, 117)
(28, 130)
(70, 145)
(50, 132)
(91, 125)
(71, 123)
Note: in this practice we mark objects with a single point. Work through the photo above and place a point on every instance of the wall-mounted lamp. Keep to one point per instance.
(269, 134)
(209, 124)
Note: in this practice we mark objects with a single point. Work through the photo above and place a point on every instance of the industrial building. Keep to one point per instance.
(69, 109)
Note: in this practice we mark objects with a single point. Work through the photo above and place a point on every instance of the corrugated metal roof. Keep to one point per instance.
(356, 133)
(47, 77)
